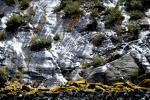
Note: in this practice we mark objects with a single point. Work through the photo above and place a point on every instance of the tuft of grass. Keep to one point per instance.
(15, 22)
(72, 7)
(135, 15)
(40, 42)
(9, 2)
(24, 4)
(113, 16)
(97, 61)
(3, 76)
(97, 39)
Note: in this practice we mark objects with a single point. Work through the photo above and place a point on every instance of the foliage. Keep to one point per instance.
(94, 12)
(97, 39)
(3, 76)
(2, 36)
(97, 61)
(134, 5)
(133, 31)
(14, 23)
(113, 16)
(9, 2)
(134, 15)
(24, 4)
(72, 7)
(40, 42)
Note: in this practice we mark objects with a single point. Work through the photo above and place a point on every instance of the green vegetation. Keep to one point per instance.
(24, 4)
(56, 37)
(97, 61)
(72, 7)
(97, 39)
(2, 36)
(39, 42)
(134, 15)
(15, 22)
(3, 76)
(9, 2)
(69, 6)
(133, 31)
(94, 12)
(120, 31)
(113, 16)
(134, 5)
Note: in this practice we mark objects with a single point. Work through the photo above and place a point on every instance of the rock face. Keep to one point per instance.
(118, 70)
(51, 67)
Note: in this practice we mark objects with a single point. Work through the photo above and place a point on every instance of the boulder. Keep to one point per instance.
(118, 70)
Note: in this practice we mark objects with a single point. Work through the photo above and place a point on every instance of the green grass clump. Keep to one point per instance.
(97, 61)
(113, 16)
(9, 2)
(24, 4)
(134, 5)
(133, 31)
(40, 42)
(15, 22)
(3, 76)
(135, 15)
(72, 7)
(97, 39)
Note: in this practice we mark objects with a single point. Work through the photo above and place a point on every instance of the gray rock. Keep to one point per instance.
(120, 69)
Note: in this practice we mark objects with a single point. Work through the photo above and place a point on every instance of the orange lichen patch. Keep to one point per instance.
(73, 21)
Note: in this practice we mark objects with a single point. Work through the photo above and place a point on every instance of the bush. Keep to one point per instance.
(9, 2)
(97, 39)
(2, 36)
(24, 4)
(3, 76)
(134, 15)
(133, 31)
(56, 37)
(40, 42)
(134, 5)
(57, 8)
(72, 7)
(113, 16)
(14, 23)
(94, 12)
(97, 61)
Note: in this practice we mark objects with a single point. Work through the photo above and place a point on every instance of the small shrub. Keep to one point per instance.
(113, 16)
(9, 2)
(56, 37)
(97, 61)
(14, 23)
(120, 31)
(40, 42)
(72, 7)
(134, 15)
(57, 8)
(2, 36)
(94, 12)
(3, 76)
(133, 31)
(24, 4)
(134, 5)
(97, 39)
